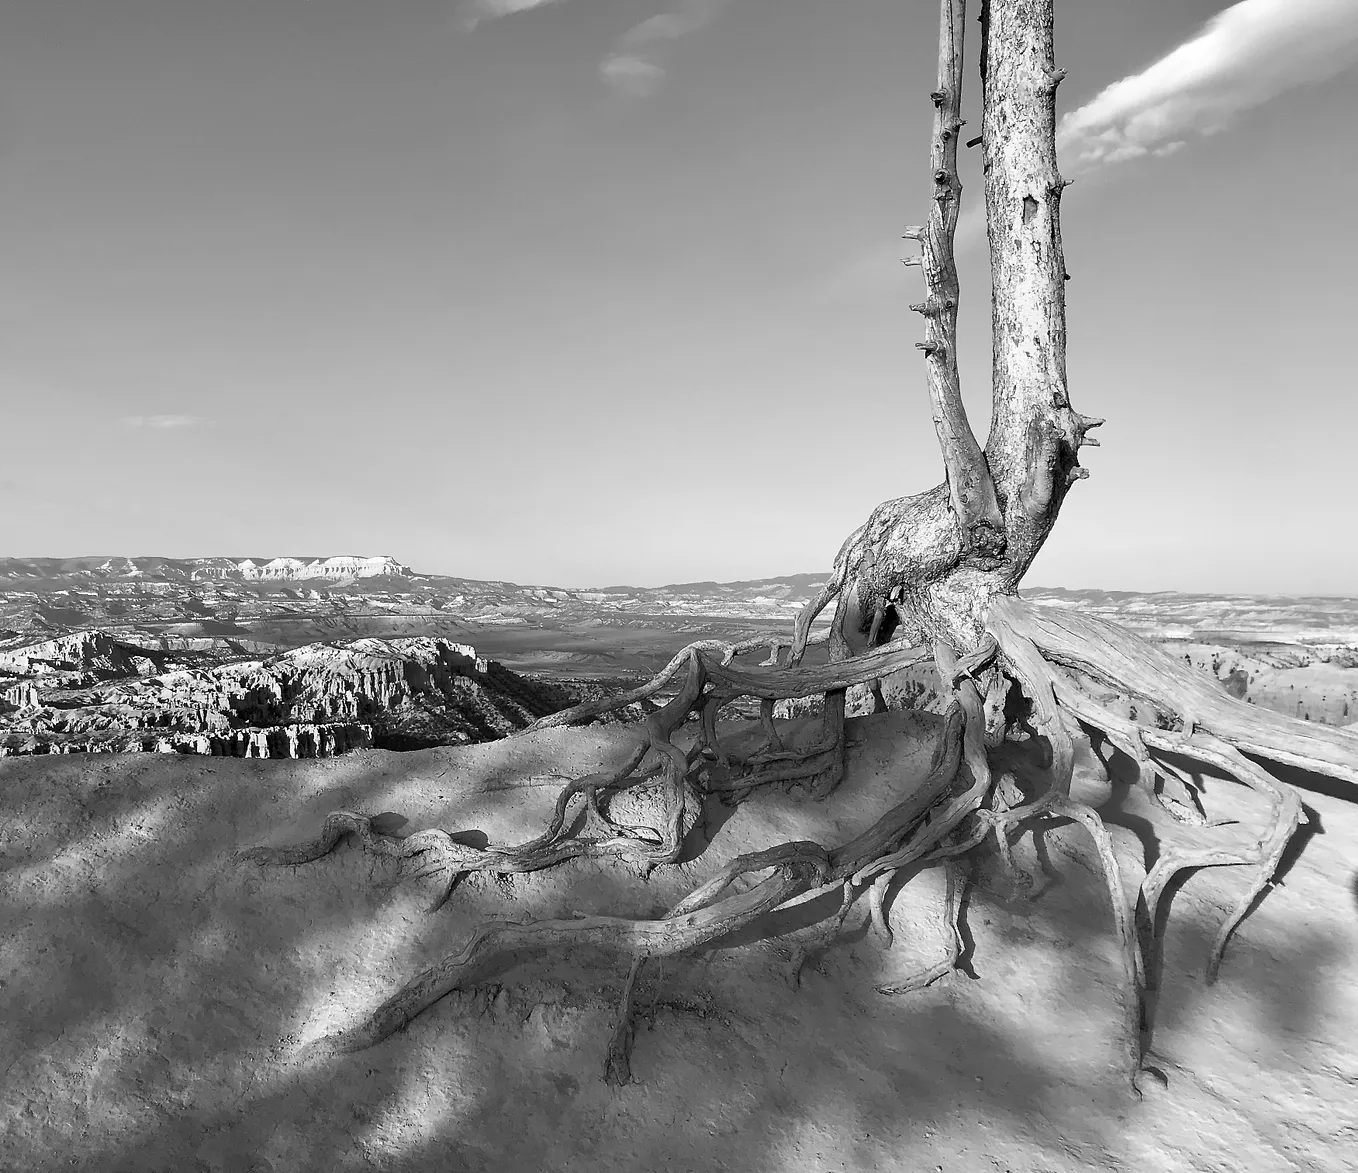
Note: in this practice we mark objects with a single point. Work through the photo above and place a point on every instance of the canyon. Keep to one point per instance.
(90, 692)
(308, 657)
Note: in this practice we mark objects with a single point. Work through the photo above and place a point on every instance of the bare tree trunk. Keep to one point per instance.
(933, 562)
(1034, 434)
(970, 490)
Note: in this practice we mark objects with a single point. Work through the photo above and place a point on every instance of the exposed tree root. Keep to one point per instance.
(823, 938)
(954, 809)
(495, 946)
(618, 1064)
(1128, 664)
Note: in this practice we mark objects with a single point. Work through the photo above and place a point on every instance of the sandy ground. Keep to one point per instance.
(157, 997)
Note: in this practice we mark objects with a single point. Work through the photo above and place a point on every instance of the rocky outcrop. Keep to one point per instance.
(81, 657)
(19, 696)
(311, 702)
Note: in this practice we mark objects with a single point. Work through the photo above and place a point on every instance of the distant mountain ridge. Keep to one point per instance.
(56, 594)
(1297, 655)
(336, 568)
(301, 568)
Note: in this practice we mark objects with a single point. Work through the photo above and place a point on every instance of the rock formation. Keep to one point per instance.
(80, 657)
(293, 569)
(90, 692)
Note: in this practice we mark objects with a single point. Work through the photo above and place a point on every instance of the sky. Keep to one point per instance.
(594, 291)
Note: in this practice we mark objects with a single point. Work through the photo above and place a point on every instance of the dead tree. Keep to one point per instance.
(929, 577)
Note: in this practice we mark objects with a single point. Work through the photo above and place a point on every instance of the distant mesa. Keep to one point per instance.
(335, 569)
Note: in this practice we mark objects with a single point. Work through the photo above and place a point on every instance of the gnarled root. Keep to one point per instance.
(495, 946)
(822, 938)
(709, 912)
(952, 811)
(1215, 728)
(1042, 646)
(709, 679)
(1128, 664)
(1285, 815)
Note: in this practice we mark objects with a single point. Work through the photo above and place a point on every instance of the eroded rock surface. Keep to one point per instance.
(89, 692)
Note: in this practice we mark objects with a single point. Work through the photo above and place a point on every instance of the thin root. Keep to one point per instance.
(951, 912)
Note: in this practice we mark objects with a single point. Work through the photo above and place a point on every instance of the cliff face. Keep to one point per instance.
(98, 694)
(81, 656)
(292, 569)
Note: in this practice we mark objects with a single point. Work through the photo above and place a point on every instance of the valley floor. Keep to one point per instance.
(157, 998)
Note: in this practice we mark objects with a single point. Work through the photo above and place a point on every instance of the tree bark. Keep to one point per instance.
(970, 490)
(934, 561)
(1034, 434)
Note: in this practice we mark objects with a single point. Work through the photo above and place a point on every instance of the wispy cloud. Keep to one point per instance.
(475, 12)
(1243, 57)
(632, 66)
(634, 75)
(165, 423)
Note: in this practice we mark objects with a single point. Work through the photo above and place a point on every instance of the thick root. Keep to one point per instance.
(715, 660)
(496, 946)
(1181, 696)
(877, 905)
(704, 915)
(1285, 814)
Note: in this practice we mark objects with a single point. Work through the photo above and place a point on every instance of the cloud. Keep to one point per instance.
(164, 423)
(669, 26)
(632, 67)
(475, 12)
(1243, 57)
(634, 75)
